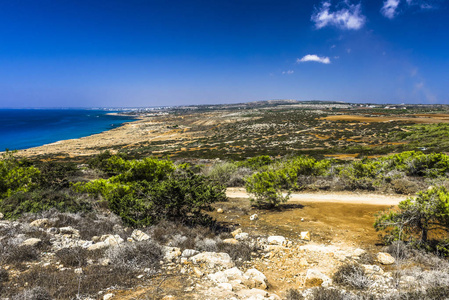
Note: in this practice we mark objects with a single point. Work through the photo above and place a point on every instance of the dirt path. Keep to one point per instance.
(331, 197)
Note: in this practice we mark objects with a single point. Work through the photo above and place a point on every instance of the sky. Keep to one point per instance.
(138, 53)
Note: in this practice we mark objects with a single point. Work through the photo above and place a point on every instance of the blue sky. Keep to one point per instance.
(157, 52)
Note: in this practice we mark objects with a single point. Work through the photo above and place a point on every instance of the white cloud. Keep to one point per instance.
(313, 57)
(390, 8)
(289, 72)
(348, 16)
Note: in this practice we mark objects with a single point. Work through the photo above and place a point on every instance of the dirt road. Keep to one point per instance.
(331, 197)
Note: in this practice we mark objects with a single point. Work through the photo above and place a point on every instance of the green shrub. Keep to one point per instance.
(151, 191)
(41, 200)
(416, 217)
(16, 176)
(255, 163)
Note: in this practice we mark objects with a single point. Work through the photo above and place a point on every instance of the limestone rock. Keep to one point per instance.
(305, 235)
(225, 286)
(1, 216)
(108, 296)
(111, 240)
(385, 258)
(231, 241)
(316, 278)
(237, 231)
(358, 252)
(40, 223)
(259, 279)
(189, 253)
(171, 253)
(69, 230)
(218, 277)
(254, 217)
(242, 236)
(139, 235)
(220, 210)
(213, 259)
(234, 274)
(276, 240)
(97, 246)
(303, 262)
(31, 242)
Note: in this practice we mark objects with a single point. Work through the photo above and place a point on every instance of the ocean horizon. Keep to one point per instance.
(26, 128)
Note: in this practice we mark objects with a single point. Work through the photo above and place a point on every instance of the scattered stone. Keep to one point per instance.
(316, 278)
(139, 235)
(105, 261)
(303, 262)
(218, 277)
(220, 210)
(69, 230)
(237, 231)
(1, 216)
(171, 253)
(111, 240)
(95, 239)
(169, 297)
(231, 241)
(78, 271)
(39, 223)
(53, 230)
(242, 236)
(385, 258)
(213, 259)
(31, 242)
(108, 296)
(197, 272)
(305, 235)
(234, 274)
(97, 246)
(276, 240)
(259, 279)
(254, 217)
(358, 252)
(225, 286)
(189, 253)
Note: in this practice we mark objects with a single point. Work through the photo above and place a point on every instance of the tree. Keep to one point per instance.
(418, 217)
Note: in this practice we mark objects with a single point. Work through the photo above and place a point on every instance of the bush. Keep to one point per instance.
(146, 195)
(4, 275)
(72, 257)
(41, 200)
(18, 255)
(293, 294)
(239, 253)
(322, 293)
(135, 256)
(352, 275)
(16, 176)
(418, 216)
(36, 293)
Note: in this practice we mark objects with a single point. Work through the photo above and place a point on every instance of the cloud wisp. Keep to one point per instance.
(314, 58)
(346, 16)
(289, 72)
(391, 8)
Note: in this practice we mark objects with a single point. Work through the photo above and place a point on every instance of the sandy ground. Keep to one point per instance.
(333, 197)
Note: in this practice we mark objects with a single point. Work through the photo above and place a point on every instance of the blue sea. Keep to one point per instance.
(26, 128)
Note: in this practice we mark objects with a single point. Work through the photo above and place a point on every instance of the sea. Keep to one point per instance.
(26, 128)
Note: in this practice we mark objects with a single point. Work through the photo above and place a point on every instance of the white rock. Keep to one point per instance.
(225, 286)
(276, 240)
(1, 216)
(171, 253)
(220, 210)
(40, 223)
(258, 277)
(254, 217)
(139, 235)
(358, 252)
(237, 231)
(305, 235)
(385, 258)
(213, 259)
(315, 274)
(218, 277)
(97, 246)
(189, 253)
(112, 240)
(108, 296)
(234, 274)
(31, 242)
(242, 236)
(231, 241)
(78, 271)
(69, 231)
